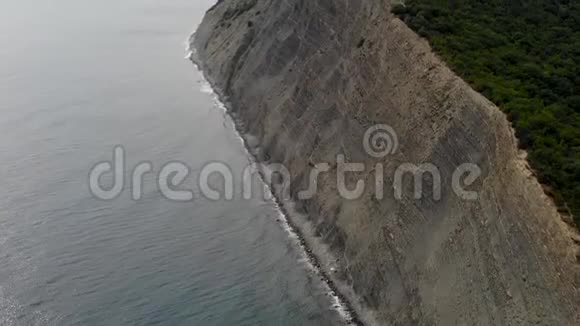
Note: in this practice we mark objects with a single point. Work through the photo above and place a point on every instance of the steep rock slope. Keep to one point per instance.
(308, 78)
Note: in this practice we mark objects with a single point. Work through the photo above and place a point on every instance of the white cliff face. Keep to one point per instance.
(308, 78)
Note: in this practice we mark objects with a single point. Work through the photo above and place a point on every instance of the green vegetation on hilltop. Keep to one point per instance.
(524, 55)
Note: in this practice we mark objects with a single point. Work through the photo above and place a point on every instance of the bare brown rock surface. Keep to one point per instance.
(308, 78)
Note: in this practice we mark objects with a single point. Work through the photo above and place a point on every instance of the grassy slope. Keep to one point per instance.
(524, 56)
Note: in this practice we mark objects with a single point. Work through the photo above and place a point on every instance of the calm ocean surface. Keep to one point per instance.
(77, 78)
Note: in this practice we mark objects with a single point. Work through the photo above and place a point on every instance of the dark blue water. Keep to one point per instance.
(77, 78)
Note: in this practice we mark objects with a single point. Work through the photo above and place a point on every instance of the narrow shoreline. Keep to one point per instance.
(316, 253)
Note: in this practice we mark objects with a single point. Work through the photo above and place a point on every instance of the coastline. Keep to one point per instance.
(317, 254)
(307, 84)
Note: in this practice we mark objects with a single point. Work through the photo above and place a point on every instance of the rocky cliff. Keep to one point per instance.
(308, 78)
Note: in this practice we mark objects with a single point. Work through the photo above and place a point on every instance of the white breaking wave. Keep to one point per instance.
(206, 88)
(189, 51)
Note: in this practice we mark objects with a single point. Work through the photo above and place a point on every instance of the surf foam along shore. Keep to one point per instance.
(303, 235)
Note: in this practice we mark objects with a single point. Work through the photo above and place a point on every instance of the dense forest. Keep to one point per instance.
(523, 55)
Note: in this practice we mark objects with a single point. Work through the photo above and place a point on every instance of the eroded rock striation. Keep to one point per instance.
(308, 78)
